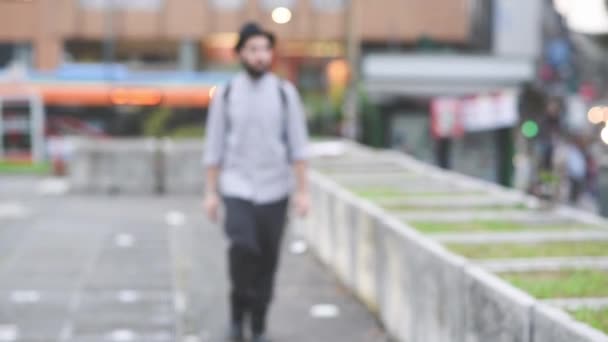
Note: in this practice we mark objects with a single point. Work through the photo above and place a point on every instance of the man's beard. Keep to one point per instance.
(255, 73)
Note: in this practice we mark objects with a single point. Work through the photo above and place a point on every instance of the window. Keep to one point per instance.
(329, 5)
(272, 4)
(145, 5)
(228, 4)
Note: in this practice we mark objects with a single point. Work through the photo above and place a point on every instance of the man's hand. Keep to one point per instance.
(211, 204)
(302, 203)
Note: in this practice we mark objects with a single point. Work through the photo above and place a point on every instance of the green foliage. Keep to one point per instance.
(23, 168)
(372, 130)
(596, 318)
(325, 117)
(187, 132)
(156, 124)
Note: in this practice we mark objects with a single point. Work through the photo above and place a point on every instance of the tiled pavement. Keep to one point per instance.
(76, 268)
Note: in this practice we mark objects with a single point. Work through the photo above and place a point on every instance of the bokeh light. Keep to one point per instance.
(605, 134)
(281, 15)
(529, 129)
(596, 115)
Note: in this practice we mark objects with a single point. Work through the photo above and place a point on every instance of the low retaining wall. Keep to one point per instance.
(421, 291)
(136, 166)
(114, 166)
(183, 171)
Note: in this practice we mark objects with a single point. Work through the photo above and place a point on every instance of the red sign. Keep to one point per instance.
(446, 118)
(451, 117)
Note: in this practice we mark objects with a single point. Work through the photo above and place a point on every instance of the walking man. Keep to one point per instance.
(255, 158)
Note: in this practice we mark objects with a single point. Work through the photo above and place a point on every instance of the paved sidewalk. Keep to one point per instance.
(94, 269)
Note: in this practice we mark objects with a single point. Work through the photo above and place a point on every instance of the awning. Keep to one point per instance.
(58, 94)
(422, 75)
(113, 85)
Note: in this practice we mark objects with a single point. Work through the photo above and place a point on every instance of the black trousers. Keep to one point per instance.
(255, 233)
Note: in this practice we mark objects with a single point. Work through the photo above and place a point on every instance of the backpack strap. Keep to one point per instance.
(226, 115)
(285, 119)
(226, 99)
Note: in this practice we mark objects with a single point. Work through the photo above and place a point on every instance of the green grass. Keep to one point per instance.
(595, 318)
(562, 284)
(379, 193)
(549, 249)
(485, 226)
(24, 168)
(447, 207)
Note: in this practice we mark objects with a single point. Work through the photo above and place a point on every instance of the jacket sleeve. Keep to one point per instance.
(297, 130)
(215, 131)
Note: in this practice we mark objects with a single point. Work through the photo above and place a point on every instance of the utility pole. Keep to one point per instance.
(353, 54)
(109, 39)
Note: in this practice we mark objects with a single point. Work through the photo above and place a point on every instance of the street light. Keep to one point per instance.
(353, 54)
(596, 115)
(530, 129)
(281, 15)
(605, 134)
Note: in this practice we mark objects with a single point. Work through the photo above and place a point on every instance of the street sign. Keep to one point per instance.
(451, 117)
(446, 118)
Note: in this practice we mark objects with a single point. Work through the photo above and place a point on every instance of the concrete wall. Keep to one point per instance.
(122, 166)
(127, 166)
(419, 290)
(183, 171)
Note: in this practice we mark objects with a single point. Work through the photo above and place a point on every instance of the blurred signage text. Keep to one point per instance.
(451, 117)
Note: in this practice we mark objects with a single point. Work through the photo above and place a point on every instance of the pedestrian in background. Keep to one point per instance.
(256, 143)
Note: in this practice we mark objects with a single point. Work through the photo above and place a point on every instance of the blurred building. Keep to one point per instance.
(413, 54)
(465, 94)
(189, 34)
(104, 66)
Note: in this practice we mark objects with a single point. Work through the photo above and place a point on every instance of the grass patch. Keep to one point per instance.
(379, 193)
(345, 169)
(24, 168)
(524, 250)
(595, 318)
(486, 226)
(447, 207)
(562, 284)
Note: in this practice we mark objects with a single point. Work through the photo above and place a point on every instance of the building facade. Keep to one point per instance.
(188, 32)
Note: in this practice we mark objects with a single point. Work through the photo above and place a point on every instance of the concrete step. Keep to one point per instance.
(522, 237)
(532, 217)
(578, 303)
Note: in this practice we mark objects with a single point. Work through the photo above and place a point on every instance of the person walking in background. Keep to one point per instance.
(256, 143)
(576, 164)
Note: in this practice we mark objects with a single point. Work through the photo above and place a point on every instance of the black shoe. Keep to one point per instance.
(260, 338)
(235, 333)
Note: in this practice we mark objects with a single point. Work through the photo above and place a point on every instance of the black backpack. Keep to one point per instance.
(284, 111)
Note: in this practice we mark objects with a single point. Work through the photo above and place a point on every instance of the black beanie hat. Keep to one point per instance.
(250, 30)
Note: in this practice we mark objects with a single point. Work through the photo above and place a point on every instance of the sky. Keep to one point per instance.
(584, 16)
